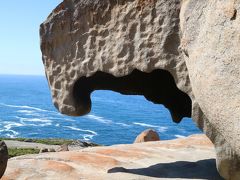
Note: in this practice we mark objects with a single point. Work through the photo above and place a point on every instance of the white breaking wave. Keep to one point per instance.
(14, 132)
(72, 128)
(162, 129)
(78, 129)
(69, 120)
(9, 125)
(45, 124)
(99, 119)
(87, 137)
(123, 124)
(179, 136)
(39, 125)
(26, 107)
(146, 125)
(26, 111)
(35, 120)
(14, 135)
(29, 112)
(7, 128)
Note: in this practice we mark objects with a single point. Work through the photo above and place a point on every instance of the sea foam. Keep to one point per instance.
(145, 125)
(179, 136)
(78, 129)
(36, 120)
(8, 128)
(87, 137)
(99, 119)
(160, 129)
(25, 107)
(123, 124)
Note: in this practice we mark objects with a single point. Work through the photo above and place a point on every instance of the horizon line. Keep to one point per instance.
(6, 74)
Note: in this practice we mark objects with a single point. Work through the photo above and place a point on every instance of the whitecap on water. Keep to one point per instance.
(179, 136)
(39, 122)
(160, 129)
(8, 128)
(78, 129)
(9, 125)
(146, 125)
(14, 135)
(69, 120)
(87, 137)
(29, 112)
(26, 107)
(123, 124)
(99, 119)
(45, 124)
(35, 120)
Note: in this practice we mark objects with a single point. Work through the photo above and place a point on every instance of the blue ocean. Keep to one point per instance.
(26, 111)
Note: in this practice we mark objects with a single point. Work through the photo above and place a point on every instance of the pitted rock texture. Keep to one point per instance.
(120, 44)
(81, 38)
(186, 158)
(3, 157)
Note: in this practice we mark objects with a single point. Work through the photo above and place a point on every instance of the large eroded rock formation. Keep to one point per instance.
(183, 54)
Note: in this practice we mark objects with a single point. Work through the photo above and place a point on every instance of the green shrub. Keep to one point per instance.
(13, 152)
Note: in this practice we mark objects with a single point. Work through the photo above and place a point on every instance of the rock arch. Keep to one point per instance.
(157, 86)
(196, 42)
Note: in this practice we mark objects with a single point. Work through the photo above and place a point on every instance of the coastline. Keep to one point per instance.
(25, 146)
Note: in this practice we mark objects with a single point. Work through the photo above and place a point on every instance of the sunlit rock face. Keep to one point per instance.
(211, 41)
(147, 135)
(126, 161)
(118, 38)
(183, 54)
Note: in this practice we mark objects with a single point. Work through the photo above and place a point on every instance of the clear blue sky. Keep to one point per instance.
(19, 35)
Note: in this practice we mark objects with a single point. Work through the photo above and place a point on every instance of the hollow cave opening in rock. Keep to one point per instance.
(158, 87)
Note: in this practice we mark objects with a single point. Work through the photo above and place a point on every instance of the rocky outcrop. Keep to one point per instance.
(87, 44)
(43, 150)
(3, 157)
(185, 158)
(182, 54)
(211, 40)
(63, 147)
(146, 136)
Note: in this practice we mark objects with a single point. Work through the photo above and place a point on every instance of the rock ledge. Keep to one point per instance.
(185, 158)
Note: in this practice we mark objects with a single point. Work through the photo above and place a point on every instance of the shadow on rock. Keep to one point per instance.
(3, 158)
(203, 169)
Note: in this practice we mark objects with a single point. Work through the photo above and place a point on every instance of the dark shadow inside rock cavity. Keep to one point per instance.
(158, 87)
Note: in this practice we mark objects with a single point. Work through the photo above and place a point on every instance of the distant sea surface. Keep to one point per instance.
(26, 110)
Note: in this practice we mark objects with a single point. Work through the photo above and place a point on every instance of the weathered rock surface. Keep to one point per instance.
(99, 39)
(211, 39)
(76, 145)
(147, 135)
(43, 150)
(186, 158)
(63, 147)
(153, 48)
(21, 144)
(3, 157)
